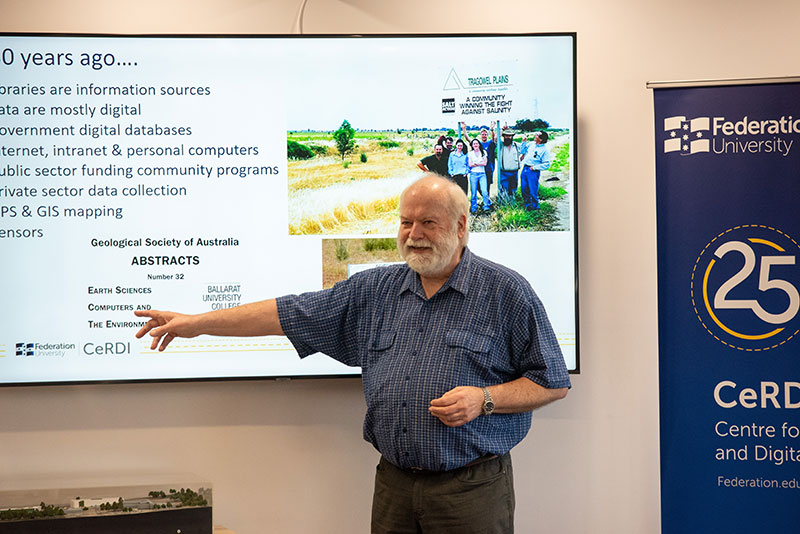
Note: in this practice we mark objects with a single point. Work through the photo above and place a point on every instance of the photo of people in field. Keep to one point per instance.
(505, 137)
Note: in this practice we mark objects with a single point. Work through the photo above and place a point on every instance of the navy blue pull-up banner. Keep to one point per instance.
(728, 213)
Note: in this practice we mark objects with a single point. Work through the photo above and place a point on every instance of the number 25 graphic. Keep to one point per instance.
(721, 300)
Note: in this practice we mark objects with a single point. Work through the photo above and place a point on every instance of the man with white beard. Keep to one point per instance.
(455, 351)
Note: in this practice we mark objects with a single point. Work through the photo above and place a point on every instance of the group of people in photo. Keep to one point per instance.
(471, 164)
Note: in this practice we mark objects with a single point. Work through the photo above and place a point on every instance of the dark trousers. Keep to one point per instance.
(476, 499)
(462, 181)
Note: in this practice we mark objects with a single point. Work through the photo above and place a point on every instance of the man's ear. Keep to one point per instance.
(462, 225)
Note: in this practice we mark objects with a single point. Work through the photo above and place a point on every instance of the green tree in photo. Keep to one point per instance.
(345, 139)
(295, 150)
(527, 125)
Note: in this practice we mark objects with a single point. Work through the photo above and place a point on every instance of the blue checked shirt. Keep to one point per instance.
(485, 326)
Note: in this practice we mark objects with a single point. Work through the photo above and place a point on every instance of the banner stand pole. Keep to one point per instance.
(721, 82)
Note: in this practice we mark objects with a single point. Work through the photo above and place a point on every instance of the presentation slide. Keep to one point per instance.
(200, 173)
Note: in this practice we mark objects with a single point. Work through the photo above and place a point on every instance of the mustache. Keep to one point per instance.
(418, 243)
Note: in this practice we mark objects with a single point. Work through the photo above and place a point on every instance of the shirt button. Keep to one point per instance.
(405, 404)
(405, 430)
(408, 378)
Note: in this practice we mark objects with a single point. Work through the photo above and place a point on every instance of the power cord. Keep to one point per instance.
(298, 23)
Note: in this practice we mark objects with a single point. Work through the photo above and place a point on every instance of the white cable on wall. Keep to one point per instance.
(298, 23)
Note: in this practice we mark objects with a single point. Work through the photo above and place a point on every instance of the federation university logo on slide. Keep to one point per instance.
(25, 349)
(744, 287)
(730, 136)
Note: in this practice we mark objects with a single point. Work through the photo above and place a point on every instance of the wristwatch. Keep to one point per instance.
(488, 403)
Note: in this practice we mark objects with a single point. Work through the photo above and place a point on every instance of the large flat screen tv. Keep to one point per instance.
(200, 172)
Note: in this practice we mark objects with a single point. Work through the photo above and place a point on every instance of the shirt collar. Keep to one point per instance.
(458, 278)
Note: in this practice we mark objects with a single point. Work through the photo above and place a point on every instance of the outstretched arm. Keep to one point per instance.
(461, 405)
(464, 135)
(254, 319)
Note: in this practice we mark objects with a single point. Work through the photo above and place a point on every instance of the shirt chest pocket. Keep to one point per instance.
(381, 348)
(463, 341)
(475, 358)
(383, 341)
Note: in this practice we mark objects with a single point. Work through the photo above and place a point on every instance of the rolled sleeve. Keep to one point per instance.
(322, 321)
(540, 359)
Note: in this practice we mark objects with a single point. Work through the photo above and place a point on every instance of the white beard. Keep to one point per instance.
(433, 262)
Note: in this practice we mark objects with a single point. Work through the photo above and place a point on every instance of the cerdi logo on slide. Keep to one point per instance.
(744, 287)
(721, 135)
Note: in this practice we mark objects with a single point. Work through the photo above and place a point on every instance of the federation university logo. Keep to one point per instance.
(687, 136)
(744, 287)
(735, 136)
(25, 349)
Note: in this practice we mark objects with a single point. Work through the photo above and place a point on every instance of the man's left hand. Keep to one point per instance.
(458, 406)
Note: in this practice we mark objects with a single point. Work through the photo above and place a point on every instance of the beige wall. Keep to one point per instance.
(288, 456)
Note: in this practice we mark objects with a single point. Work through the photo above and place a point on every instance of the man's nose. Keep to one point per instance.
(416, 231)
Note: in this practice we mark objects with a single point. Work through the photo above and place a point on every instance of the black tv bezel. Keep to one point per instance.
(573, 163)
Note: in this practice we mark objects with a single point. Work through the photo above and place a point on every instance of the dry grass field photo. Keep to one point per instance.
(358, 194)
(339, 255)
